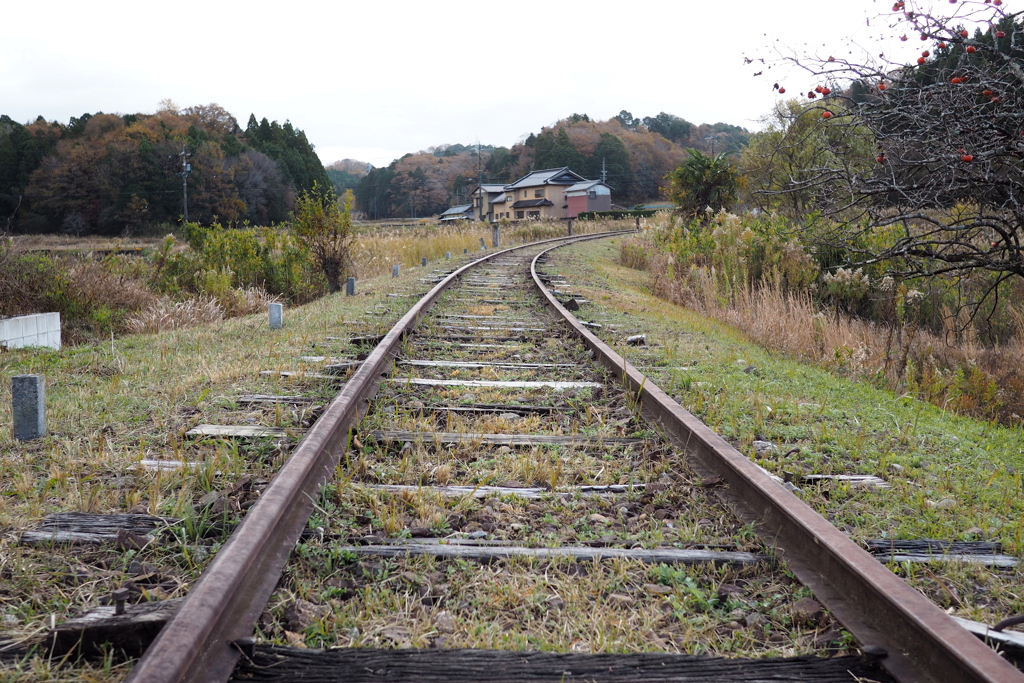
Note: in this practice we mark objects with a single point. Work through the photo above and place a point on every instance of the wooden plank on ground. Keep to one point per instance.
(927, 550)
(101, 630)
(500, 408)
(298, 375)
(241, 431)
(491, 328)
(83, 528)
(252, 399)
(503, 439)
(423, 381)
(529, 493)
(578, 553)
(162, 465)
(1011, 642)
(491, 346)
(492, 364)
(853, 480)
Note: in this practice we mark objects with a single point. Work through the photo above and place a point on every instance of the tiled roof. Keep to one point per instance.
(457, 210)
(586, 185)
(530, 203)
(548, 176)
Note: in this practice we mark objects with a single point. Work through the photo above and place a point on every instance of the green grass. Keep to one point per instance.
(952, 477)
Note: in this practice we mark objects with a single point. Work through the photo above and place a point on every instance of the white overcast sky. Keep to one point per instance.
(374, 80)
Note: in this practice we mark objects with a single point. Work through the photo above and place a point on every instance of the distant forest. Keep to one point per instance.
(636, 154)
(116, 174)
(113, 174)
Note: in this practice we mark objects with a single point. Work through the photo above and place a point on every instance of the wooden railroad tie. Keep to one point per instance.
(558, 386)
(523, 440)
(256, 399)
(528, 492)
(81, 528)
(578, 553)
(244, 431)
(365, 665)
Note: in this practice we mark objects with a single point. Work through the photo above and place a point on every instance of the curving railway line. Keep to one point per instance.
(492, 438)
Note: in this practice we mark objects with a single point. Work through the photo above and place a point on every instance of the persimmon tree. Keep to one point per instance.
(945, 191)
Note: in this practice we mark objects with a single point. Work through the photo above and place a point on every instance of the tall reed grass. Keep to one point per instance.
(804, 320)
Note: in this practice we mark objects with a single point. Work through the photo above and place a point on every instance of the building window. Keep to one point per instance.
(538, 193)
(519, 214)
(593, 194)
(534, 214)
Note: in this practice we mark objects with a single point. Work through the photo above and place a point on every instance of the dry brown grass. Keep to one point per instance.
(969, 377)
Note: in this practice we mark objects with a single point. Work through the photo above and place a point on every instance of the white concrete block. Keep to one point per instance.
(41, 329)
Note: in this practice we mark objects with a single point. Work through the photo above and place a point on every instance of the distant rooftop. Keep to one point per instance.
(456, 210)
(548, 176)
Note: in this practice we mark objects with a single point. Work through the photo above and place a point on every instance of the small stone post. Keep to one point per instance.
(638, 222)
(28, 395)
(350, 287)
(423, 262)
(465, 251)
(447, 254)
(276, 316)
(495, 236)
(394, 270)
(570, 227)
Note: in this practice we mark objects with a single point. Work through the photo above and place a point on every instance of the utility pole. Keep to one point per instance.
(604, 172)
(712, 137)
(186, 168)
(480, 181)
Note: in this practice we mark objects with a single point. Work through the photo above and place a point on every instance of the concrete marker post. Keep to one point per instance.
(394, 270)
(465, 251)
(496, 236)
(423, 261)
(447, 254)
(570, 227)
(350, 286)
(276, 316)
(28, 398)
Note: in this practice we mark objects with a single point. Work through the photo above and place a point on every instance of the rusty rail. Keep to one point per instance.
(198, 643)
(917, 640)
(920, 642)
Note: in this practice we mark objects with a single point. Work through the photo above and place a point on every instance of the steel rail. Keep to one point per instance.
(916, 640)
(199, 642)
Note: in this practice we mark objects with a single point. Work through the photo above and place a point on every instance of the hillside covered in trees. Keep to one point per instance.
(114, 174)
(636, 153)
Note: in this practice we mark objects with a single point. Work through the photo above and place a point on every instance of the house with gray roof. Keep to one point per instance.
(483, 197)
(463, 212)
(539, 194)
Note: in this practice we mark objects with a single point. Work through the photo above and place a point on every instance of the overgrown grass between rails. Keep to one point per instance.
(615, 606)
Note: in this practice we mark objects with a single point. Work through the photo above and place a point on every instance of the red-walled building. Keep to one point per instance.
(589, 195)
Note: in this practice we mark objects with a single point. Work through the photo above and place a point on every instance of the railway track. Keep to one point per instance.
(502, 476)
